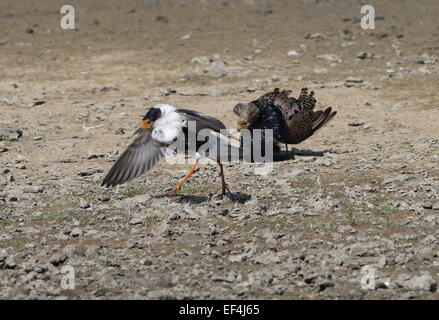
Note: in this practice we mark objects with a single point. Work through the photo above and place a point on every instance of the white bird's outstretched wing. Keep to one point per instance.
(140, 156)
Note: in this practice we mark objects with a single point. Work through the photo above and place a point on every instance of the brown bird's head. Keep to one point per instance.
(150, 117)
(248, 115)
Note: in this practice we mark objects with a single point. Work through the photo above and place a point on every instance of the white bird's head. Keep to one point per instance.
(154, 113)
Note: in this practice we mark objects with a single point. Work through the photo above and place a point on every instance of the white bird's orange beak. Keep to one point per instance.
(146, 124)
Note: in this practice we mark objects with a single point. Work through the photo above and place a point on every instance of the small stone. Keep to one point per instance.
(162, 19)
(30, 246)
(346, 34)
(10, 262)
(108, 89)
(314, 36)
(76, 232)
(185, 78)
(162, 229)
(89, 172)
(320, 70)
(33, 189)
(10, 134)
(58, 259)
(354, 80)
(84, 204)
(95, 155)
(329, 57)
(3, 147)
(136, 220)
(38, 103)
(120, 131)
(356, 123)
(310, 214)
(364, 55)
(382, 261)
(265, 8)
(424, 282)
(92, 251)
(325, 284)
(218, 69)
(69, 250)
(200, 60)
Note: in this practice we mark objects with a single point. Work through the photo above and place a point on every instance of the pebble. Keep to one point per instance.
(33, 189)
(10, 134)
(76, 232)
(217, 69)
(424, 282)
(58, 259)
(315, 36)
(84, 204)
(3, 147)
(10, 262)
(330, 57)
(346, 34)
(365, 55)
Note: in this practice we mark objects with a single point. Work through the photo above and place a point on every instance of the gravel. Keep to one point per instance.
(361, 194)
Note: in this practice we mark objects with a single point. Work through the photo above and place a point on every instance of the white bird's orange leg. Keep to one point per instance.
(187, 176)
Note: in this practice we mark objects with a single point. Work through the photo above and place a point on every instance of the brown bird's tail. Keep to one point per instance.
(321, 119)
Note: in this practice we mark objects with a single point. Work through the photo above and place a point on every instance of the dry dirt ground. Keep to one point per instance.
(70, 100)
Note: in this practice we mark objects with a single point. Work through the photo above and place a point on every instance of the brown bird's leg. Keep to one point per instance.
(224, 185)
(187, 176)
(286, 146)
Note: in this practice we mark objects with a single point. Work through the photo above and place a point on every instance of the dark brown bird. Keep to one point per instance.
(292, 120)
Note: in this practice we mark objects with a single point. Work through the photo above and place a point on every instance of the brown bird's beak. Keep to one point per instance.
(243, 125)
(146, 124)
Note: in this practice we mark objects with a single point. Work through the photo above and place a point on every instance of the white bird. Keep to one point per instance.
(161, 127)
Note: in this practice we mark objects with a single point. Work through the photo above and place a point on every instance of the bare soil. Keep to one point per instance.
(303, 232)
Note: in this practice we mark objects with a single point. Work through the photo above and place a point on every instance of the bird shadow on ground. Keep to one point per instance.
(310, 153)
(193, 199)
(238, 197)
(289, 155)
(185, 198)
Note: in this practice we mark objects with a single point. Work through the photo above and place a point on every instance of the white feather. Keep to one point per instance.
(167, 128)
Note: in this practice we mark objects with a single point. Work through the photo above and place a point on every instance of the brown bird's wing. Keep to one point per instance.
(306, 122)
(322, 119)
(140, 156)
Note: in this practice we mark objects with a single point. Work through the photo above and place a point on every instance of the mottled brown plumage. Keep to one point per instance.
(292, 120)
